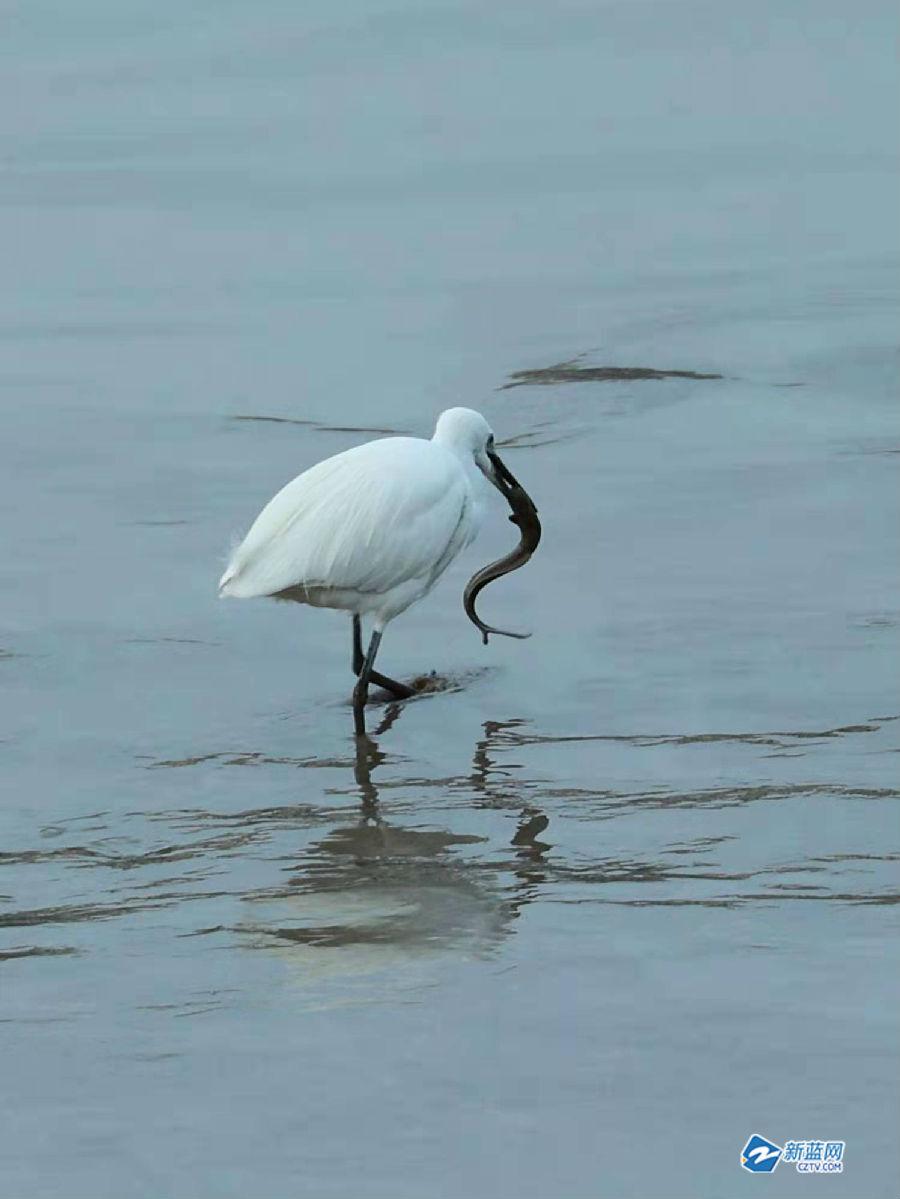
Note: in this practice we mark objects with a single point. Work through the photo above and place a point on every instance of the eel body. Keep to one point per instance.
(524, 515)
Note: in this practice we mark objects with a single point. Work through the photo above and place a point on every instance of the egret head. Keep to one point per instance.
(466, 432)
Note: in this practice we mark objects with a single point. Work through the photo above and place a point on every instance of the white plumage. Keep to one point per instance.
(370, 530)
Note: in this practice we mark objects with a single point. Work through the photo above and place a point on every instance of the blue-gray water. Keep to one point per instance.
(627, 895)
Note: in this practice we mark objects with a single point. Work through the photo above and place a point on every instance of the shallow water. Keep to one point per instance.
(620, 895)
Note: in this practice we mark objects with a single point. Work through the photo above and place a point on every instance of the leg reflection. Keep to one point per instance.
(368, 756)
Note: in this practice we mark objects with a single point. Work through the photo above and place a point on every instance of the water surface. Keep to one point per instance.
(624, 893)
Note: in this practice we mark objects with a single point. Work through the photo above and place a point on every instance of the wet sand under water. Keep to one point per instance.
(594, 907)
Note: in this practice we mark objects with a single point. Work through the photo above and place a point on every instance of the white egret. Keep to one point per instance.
(371, 530)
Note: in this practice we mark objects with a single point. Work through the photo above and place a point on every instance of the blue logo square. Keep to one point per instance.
(760, 1156)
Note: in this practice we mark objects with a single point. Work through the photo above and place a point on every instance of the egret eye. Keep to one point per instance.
(490, 442)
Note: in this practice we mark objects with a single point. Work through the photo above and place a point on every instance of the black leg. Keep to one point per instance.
(361, 690)
(358, 658)
(400, 690)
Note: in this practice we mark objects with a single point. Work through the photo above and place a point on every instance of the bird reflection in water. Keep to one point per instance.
(373, 904)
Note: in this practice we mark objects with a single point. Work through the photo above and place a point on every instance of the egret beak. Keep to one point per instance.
(502, 477)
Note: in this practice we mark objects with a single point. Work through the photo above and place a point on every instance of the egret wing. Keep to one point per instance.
(365, 520)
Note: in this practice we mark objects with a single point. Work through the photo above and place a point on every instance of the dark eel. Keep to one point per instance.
(524, 514)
